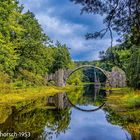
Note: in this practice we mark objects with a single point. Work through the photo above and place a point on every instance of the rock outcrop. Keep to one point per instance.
(117, 77)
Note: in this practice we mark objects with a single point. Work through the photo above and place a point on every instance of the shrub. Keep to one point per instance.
(31, 79)
(133, 99)
(4, 83)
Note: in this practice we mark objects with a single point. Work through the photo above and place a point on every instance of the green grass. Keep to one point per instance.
(125, 103)
(18, 95)
(132, 99)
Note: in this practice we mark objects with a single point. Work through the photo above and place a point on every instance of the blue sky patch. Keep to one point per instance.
(61, 20)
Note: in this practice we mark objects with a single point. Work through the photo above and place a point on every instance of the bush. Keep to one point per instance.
(4, 83)
(134, 69)
(133, 99)
(51, 83)
(4, 78)
(31, 79)
(19, 84)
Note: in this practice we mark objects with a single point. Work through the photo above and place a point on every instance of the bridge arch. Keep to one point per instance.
(88, 66)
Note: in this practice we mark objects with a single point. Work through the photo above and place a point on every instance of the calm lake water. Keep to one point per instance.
(65, 116)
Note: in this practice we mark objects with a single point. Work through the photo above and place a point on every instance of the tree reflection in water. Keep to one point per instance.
(34, 116)
(87, 95)
(48, 117)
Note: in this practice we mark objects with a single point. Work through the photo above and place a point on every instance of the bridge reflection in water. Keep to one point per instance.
(55, 118)
(83, 95)
(86, 125)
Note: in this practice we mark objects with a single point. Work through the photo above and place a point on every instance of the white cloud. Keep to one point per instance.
(54, 25)
(73, 35)
(68, 32)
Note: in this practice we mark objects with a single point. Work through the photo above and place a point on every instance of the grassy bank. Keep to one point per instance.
(123, 104)
(31, 98)
(18, 95)
(124, 107)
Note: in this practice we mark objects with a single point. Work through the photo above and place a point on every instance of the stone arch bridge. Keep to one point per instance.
(115, 78)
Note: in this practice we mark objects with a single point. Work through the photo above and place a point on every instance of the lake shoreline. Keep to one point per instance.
(123, 107)
(25, 94)
(122, 104)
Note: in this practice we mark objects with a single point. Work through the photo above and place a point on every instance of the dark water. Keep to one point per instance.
(63, 117)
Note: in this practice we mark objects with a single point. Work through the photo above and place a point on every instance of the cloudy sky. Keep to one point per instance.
(61, 20)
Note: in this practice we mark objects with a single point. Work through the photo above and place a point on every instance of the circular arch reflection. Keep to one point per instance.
(82, 67)
(85, 110)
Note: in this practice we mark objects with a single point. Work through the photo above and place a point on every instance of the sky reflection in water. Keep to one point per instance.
(90, 125)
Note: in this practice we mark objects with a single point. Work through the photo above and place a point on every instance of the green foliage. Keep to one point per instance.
(61, 56)
(133, 101)
(123, 108)
(4, 78)
(31, 45)
(26, 53)
(31, 78)
(4, 83)
(125, 57)
(115, 56)
(119, 16)
(30, 116)
(75, 78)
(127, 24)
(134, 69)
(9, 31)
(19, 84)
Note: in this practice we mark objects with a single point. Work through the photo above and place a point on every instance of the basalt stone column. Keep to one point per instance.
(60, 100)
(117, 77)
(59, 78)
(46, 78)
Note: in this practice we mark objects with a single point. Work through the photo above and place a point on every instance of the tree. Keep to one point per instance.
(10, 29)
(31, 45)
(126, 58)
(120, 16)
(121, 57)
(61, 56)
(26, 52)
(134, 69)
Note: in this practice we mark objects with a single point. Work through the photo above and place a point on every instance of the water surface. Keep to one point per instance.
(57, 118)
